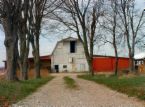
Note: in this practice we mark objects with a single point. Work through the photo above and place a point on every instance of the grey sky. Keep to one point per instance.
(47, 44)
(141, 3)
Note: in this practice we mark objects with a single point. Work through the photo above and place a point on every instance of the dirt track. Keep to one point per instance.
(88, 94)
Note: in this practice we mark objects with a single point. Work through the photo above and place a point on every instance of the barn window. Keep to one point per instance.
(72, 46)
(64, 66)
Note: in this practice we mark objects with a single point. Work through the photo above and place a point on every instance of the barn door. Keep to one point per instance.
(56, 68)
(82, 67)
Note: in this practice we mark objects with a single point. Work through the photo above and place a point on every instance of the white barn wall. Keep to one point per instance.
(61, 56)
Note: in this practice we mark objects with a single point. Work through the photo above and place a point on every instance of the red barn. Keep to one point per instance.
(107, 63)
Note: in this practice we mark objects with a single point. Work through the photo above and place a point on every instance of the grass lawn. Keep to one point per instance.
(11, 92)
(134, 86)
(70, 83)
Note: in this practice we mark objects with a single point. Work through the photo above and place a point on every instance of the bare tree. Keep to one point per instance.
(38, 9)
(111, 24)
(24, 39)
(82, 18)
(21, 21)
(132, 26)
(137, 24)
(9, 10)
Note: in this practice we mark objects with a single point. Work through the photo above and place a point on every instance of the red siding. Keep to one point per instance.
(107, 64)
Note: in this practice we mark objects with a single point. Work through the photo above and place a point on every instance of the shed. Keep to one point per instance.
(45, 64)
(140, 62)
(107, 63)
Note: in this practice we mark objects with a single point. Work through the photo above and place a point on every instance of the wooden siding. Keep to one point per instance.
(62, 56)
(107, 64)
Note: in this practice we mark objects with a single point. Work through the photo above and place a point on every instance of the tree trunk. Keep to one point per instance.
(25, 62)
(24, 40)
(91, 54)
(23, 57)
(37, 59)
(36, 55)
(131, 63)
(11, 60)
(23, 65)
(116, 66)
(37, 68)
(25, 71)
(132, 55)
(90, 63)
(116, 56)
(11, 44)
(89, 58)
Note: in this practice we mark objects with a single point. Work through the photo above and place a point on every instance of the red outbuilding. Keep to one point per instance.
(107, 63)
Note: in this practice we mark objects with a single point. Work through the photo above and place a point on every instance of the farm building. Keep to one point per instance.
(45, 66)
(107, 63)
(68, 56)
(45, 62)
(140, 62)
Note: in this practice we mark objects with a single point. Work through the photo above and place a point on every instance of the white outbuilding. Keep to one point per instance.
(140, 62)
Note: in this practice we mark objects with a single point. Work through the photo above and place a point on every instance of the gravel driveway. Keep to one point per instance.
(88, 94)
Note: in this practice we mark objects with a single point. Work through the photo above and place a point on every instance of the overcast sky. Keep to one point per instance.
(48, 42)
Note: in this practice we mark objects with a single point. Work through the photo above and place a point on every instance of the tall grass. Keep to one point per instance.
(134, 86)
(11, 92)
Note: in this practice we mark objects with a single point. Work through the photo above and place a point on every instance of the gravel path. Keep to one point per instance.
(88, 94)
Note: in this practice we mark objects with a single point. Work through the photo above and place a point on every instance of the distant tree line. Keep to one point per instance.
(89, 19)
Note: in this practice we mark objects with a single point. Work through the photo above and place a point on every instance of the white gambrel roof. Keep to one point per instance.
(69, 39)
(140, 56)
(66, 39)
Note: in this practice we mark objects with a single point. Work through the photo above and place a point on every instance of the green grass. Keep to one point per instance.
(134, 86)
(70, 83)
(11, 92)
